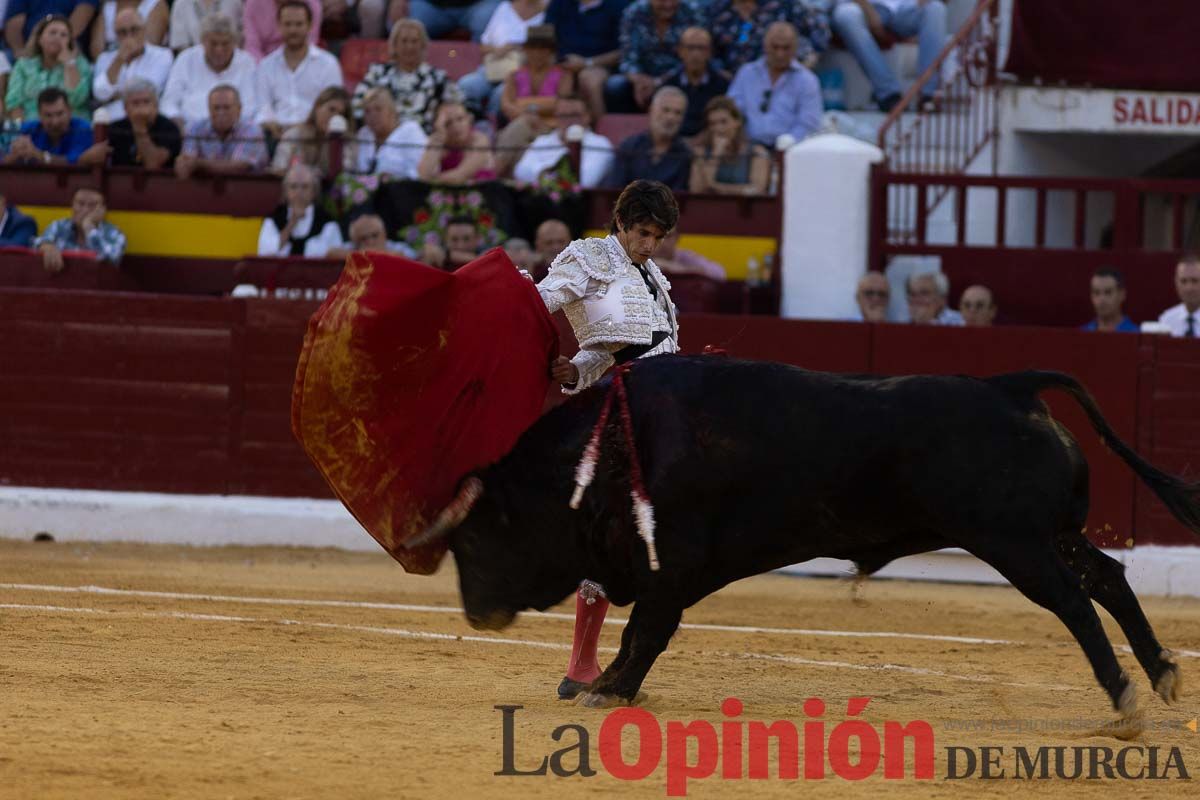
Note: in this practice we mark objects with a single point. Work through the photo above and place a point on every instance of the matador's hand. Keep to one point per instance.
(563, 371)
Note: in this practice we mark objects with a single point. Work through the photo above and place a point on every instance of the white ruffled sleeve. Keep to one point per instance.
(592, 363)
(565, 283)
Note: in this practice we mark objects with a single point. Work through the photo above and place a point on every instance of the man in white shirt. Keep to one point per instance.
(1184, 319)
(402, 142)
(215, 61)
(546, 151)
(133, 59)
(290, 77)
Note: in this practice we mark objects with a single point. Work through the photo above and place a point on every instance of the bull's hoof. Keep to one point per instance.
(569, 689)
(1125, 728)
(600, 700)
(1127, 705)
(1169, 685)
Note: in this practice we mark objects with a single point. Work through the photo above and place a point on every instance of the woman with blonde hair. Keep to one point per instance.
(51, 60)
(417, 87)
(724, 160)
(308, 142)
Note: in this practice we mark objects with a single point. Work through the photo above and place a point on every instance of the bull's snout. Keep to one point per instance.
(496, 620)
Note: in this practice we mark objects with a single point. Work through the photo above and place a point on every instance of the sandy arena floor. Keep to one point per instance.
(292, 684)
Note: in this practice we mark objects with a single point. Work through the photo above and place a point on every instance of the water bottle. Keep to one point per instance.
(753, 276)
(768, 268)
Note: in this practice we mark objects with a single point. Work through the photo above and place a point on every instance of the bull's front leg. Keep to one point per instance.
(651, 626)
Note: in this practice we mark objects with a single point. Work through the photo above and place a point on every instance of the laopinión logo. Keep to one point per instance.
(740, 750)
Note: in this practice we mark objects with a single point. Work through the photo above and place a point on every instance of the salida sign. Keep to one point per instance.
(1156, 111)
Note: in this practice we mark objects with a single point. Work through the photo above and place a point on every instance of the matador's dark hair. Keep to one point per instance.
(646, 201)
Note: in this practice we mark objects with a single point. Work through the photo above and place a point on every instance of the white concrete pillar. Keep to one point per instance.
(826, 207)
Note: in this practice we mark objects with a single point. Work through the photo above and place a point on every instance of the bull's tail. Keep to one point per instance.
(1180, 496)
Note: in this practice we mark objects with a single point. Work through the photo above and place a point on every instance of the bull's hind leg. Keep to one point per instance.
(650, 627)
(1104, 580)
(1036, 571)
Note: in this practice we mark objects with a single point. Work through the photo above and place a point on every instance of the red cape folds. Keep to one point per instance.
(410, 377)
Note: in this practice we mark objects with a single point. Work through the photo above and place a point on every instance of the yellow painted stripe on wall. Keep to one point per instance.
(152, 233)
(731, 252)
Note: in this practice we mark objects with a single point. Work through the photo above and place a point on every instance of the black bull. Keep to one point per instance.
(755, 466)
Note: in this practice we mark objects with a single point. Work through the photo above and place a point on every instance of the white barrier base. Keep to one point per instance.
(85, 515)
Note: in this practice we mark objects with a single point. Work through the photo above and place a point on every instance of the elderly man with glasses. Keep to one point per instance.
(776, 93)
(132, 60)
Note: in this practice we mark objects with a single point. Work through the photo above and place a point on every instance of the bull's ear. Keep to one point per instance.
(451, 516)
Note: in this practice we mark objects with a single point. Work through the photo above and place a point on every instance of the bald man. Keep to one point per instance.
(551, 238)
(776, 93)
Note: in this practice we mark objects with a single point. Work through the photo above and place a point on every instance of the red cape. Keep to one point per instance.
(410, 377)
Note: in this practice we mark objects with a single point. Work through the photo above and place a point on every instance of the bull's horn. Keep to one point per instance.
(451, 516)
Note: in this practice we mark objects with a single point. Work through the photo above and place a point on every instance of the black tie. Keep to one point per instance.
(1191, 326)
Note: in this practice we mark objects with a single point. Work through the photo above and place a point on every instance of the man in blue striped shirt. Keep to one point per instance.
(86, 230)
(776, 93)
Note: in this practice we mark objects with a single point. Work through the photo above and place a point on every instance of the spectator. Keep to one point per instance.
(53, 60)
(501, 44)
(365, 18)
(23, 16)
(927, 293)
(86, 229)
(368, 232)
(866, 24)
(215, 61)
(299, 226)
(308, 142)
(188, 16)
(260, 26)
(417, 87)
(697, 76)
(589, 43)
(657, 154)
(533, 88)
(872, 296)
(143, 137)
(154, 15)
(1108, 296)
(5, 71)
(225, 143)
(777, 94)
(456, 153)
(55, 137)
(548, 150)
(725, 161)
(675, 260)
(1184, 319)
(385, 145)
(650, 34)
(16, 229)
(518, 250)
(133, 59)
(462, 245)
(978, 307)
(550, 239)
(739, 26)
(290, 77)
(439, 17)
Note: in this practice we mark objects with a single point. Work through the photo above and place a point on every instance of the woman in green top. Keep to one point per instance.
(52, 60)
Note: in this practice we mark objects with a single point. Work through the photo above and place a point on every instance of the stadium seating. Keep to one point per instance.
(619, 127)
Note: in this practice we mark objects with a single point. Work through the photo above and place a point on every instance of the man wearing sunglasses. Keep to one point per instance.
(132, 60)
(776, 93)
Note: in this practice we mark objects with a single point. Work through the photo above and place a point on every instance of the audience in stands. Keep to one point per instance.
(224, 144)
(216, 60)
(740, 25)
(978, 307)
(291, 76)
(865, 24)
(650, 35)
(364, 18)
(927, 293)
(299, 226)
(154, 15)
(22, 16)
(86, 230)
(659, 153)
(456, 153)
(143, 137)
(308, 142)
(1108, 297)
(725, 160)
(133, 59)
(385, 145)
(460, 245)
(1184, 319)
(5, 71)
(188, 16)
(550, 239)
(417, 87)
(16, 229)
(532, 88)
(260, 26)
(518, 250)
(697, 76)
(440, 17)
(55, 137)
(675, 260)
(53, 60)
(547, 151)
(501, 43)
(589, 44)
(368, 232)
(777, 94)
(872, 295)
